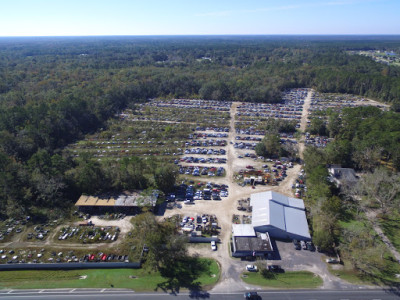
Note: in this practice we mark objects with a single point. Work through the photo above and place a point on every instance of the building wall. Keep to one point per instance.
(236, 253)
(279, 233)
(110, 209)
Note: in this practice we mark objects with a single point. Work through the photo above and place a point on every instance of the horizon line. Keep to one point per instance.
(216, 35)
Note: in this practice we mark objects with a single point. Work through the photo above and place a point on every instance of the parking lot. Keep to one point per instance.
(313, 261)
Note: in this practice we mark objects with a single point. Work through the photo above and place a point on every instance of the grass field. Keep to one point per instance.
(384, 272)
(287, 280)
(135, 279)
(349, 274)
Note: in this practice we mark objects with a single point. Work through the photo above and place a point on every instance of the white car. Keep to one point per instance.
(251, 268)
(224, 194)
(332, 260)
(303, 245)
(213, 246)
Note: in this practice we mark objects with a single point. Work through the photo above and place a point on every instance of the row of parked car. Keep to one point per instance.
(14, 258)
(90, 233)
(208, 194)
(189, 193)
(242, 145)
(318, 141)
(201, 171)
(206, 143)
(205, 151)
(216, 129)
(210, 160)
(206, 135)
(250, 131)
(190, 103)
(293, 115)
(199, 224)
(298, 245)
(271, 268)
(248, 138)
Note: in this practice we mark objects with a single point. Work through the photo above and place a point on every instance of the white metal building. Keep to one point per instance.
(281, 216)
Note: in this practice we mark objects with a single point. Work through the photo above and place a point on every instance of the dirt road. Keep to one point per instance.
(304, 119)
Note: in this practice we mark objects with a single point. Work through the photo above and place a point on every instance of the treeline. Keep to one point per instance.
(364, 138)
(242, 69)
(46, 185)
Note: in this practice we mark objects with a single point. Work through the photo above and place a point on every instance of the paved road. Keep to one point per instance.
(76, 294)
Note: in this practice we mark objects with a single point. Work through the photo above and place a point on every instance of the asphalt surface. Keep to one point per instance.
(66, 294)
(313, 261)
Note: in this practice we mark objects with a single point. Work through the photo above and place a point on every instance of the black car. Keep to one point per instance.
(310, 246)
(275, 269)
(251, 296)
(297, 245)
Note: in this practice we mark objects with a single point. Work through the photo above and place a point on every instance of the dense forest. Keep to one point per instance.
(53, 91)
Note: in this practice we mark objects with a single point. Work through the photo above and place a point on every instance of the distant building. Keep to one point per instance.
(127, 202)
(342, 176)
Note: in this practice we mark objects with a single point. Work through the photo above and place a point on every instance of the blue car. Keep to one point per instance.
(251, 296)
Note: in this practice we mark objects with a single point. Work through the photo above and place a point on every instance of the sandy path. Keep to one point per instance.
(304, 119)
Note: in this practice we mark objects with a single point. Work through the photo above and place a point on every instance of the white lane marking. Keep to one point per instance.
(102, 291)
(73, 290)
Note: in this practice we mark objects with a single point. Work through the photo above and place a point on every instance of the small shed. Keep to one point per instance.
(246, 242)
(127, 202)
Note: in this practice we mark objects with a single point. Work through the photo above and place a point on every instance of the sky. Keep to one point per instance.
(194, 17)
